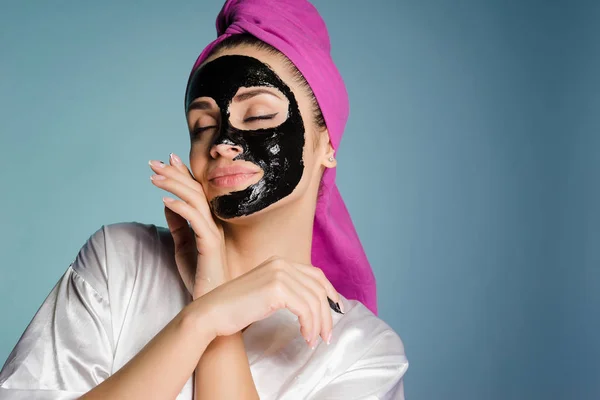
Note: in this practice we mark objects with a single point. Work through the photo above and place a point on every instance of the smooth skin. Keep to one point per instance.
(238, 271)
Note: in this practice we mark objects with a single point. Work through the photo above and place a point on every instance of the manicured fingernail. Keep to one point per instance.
(174, 158)
(334, 306)
(156, 163)
(168, 199)
(329, 338)
(158, 178)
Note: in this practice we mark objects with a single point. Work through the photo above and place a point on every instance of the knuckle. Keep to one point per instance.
(322, 297)
(270, 262)
(314, 305)
(278, 263)
(306, 311)
(279, 275)
(278, 267)
(320, 273)
(322, 293)
(277, 287)
(321, 277)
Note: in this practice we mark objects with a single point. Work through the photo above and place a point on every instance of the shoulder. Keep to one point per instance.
(121, 247)
(133, 232)
(365, 359)
(371, 335)
(128, 237)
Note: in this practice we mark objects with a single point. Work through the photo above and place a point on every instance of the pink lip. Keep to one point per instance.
(231, 176)
(229, 181)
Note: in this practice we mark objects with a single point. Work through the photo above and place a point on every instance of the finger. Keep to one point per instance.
(317, 273)
(286, 294)
(176, 171)
(179, 228)
(184, 192)
(315, 296)
(176, 162)
(184, 244)
(199, 224)
(185, 172)
(319, 293)
(181, 174)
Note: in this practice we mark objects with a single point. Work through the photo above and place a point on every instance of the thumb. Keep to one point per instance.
(184, 246)
(180, 230)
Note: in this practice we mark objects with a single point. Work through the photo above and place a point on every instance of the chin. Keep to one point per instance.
(278, 211)
(253, 217)
(244, 212)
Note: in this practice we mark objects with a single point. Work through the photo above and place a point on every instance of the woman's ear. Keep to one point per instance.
(329, 160)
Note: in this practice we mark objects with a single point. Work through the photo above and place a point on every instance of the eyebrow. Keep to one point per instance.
(206, 105)
(253, 93)
(200, 105)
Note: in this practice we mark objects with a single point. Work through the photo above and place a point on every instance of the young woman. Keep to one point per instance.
(260, 287)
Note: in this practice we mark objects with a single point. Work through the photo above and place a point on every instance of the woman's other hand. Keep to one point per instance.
(199, 248)
(274, 284)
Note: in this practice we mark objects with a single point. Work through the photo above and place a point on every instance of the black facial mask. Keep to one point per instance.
(277, 151)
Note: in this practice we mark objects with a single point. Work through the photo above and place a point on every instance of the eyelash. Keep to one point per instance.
(260, 117)
(200, 130)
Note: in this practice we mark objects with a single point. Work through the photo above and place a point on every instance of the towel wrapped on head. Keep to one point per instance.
(295, 28)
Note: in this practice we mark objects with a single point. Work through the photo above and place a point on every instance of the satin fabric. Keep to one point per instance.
(295, 28)
(123, 288)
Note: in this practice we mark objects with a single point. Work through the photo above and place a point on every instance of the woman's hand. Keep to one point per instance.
(200, 258)
(199, 248)
(274, 284)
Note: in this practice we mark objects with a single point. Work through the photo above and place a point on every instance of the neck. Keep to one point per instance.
(285, 232)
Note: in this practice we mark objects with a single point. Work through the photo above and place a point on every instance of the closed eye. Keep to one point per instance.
(201, 129)
(260, 117)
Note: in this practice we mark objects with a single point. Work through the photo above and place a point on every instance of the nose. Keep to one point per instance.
(225, 148)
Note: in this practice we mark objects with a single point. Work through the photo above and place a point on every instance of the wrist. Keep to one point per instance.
(211, 272)
(228, 343)
(196, 318)
(201, 290)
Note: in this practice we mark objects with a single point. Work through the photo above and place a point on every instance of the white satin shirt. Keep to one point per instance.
(123, 288)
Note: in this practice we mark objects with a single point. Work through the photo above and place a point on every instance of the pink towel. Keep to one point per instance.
(295, 28)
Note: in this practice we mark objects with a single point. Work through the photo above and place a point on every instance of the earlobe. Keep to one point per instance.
(324, 143)
(330, 161)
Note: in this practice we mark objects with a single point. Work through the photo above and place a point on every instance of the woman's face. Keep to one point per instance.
(252, 133)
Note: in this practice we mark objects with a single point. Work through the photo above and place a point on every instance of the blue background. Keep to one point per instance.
(468, 164)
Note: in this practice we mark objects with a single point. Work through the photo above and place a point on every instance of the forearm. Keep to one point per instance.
(162, 367)
(223, 371)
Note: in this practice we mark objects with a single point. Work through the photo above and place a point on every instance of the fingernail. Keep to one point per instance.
(329, 338)
(168, 199)
(158, 178)
(334, 306)
(156, 163)
(175, 159)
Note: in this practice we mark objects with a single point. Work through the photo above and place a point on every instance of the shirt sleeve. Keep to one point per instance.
(67, 348)
(378, 374)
